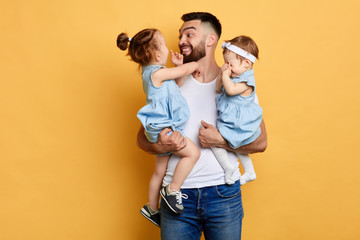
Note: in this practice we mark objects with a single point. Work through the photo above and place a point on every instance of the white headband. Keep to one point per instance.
(129, 39)
(239, 51)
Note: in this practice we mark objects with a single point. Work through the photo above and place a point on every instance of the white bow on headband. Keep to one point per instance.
(239, 51)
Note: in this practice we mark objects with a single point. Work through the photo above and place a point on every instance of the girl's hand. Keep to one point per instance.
(176, 58)
(226, 69)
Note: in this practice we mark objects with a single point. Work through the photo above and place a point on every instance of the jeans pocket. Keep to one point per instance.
(228, 191)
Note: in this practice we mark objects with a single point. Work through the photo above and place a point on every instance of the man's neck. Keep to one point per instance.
(207, 71)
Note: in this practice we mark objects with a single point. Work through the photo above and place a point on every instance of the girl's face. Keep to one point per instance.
(163, 52)
(237, 66)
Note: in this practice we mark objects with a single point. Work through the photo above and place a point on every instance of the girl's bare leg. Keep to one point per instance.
(156, 180)
(190, 154)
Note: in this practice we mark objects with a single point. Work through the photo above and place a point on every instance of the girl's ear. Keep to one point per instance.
(157, 56)
(247, 63)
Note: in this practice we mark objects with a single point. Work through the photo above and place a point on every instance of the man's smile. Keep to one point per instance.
(186, 49)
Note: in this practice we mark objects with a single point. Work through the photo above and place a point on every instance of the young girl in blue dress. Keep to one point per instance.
(165, 108)
(239, 116)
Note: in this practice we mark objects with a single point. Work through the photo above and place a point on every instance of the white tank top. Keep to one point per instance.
(207, 171)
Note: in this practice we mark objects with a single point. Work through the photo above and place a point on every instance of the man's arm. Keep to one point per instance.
(165, 144)
(209, 136)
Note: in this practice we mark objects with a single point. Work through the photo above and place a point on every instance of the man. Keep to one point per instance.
(209, 204)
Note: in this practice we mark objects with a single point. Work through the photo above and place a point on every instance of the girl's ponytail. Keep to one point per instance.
(141, 47)
(122, 41)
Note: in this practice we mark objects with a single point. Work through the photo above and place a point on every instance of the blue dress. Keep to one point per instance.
(239, 117)
(165, 106)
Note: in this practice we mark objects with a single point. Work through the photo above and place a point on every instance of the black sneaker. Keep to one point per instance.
(151, 216)
(173, 199)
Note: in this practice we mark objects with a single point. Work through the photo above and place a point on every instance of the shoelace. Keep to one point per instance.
(179, 196)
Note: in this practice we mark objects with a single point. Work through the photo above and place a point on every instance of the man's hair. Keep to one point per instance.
(204, 17)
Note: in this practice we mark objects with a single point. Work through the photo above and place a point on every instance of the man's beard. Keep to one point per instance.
(197, 53)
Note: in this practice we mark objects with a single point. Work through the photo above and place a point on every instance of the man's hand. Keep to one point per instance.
(172, 143)
(209, 136)
(165, 143)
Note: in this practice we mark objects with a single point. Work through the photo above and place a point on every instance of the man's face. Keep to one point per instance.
(192, 41)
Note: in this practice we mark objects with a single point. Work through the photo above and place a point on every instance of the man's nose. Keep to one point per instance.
(182, 40)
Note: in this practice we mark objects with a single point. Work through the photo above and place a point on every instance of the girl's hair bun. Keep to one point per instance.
(122, 41)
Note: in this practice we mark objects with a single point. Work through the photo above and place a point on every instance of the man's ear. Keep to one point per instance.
(211, 40)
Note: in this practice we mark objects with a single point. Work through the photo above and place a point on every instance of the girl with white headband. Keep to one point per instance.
(239, 116)
(165, 108)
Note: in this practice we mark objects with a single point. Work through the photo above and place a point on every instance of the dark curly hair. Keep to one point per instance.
(141, 46)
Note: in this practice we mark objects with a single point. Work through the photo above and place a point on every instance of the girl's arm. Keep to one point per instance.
(219, 83)
(230, 87)
(178, 59)
(176, 72)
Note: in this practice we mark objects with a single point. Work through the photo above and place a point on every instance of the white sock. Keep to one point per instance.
(222, 157)
(247, 164)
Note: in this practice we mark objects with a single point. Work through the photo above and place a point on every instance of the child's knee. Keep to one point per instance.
(196, 154)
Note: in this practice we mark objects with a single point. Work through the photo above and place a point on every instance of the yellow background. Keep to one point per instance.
(69, 165)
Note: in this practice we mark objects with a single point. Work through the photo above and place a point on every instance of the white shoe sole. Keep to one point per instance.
(147, 216)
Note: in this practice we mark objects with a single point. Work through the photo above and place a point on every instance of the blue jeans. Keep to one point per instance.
(216, 210)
